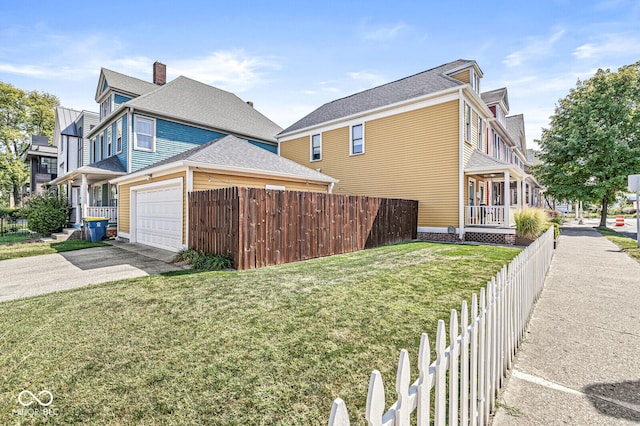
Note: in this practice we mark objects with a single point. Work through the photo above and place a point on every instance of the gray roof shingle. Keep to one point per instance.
(495, 96)
(480, 161)
(200, 103)
(110, 164)
(420, 84)
(231, 151)
(125, 83)
(515, 126)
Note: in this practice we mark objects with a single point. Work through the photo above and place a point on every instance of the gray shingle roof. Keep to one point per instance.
(200, 103)
(515, 125)
(125, 83)
(420, 84)
(495, 96)
(231, 151)
(481, 161)
(111, 164)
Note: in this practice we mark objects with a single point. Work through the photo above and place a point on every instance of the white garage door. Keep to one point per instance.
(159, 217)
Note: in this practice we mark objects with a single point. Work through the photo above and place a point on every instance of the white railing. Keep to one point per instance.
(477, 359)
(110, 212)
(486, 215)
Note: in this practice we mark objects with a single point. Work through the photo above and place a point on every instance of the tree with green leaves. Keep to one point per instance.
(22, 114)
(593, 141)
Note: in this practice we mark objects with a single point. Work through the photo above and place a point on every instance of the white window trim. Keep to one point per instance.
(311, 159)
(480, 133)
(109, 141)
(351, 153)
(119, 122)
(468, 125)
(135, 134)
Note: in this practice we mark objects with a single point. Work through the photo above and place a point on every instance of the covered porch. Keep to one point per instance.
(495, 191)
(89, 192)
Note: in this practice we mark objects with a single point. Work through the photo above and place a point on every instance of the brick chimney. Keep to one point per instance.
(250, 103)
(159, 73)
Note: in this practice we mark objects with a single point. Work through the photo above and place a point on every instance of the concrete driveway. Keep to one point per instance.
(31, 276)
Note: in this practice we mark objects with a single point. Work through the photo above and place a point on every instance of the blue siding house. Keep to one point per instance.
(142, 123)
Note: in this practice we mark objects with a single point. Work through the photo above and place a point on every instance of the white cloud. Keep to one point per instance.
(535, 48)
(382, 33)
(609, 45)
(371, 79)
(233, 70)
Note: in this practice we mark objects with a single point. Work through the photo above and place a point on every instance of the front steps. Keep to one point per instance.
(67, 234)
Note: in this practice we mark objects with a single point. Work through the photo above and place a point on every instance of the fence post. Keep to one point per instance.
(424, 384)
(464, 364)
(375, 400)
(453, 368)
(440, 415)
(339, 415)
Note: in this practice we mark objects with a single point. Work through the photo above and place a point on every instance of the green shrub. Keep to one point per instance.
(46, 212)
(530, 223)
(204, 261)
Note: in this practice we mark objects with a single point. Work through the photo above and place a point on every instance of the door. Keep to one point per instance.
(158, 217)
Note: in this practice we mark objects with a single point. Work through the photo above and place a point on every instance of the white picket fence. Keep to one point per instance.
(477, 359)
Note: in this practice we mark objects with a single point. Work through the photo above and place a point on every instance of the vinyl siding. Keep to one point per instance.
(88, 122)
(203, 181)
(266, 146)
(124, 204)
(411, 155)
(463, 76)
(171, 139)
(125, 136)
(471, 146)
(119, 100)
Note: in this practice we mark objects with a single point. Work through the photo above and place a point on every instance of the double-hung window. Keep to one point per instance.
(109, 141)
(480, 134)
(316, 147)
(357, 139)
(144, 134)
(119, 136)
(467, 117)
(100, 147)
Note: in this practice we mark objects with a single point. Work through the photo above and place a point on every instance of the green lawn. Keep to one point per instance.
(268, 346)
(14, 237)
(628, 245)
(12, 251)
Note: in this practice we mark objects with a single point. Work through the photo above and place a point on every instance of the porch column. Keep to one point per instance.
(531, 195)
(84, 195)
(520, 191)
(507, 199)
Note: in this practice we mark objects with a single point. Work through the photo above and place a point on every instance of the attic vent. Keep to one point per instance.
(250, 103)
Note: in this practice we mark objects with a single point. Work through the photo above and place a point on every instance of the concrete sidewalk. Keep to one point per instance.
(580, 361)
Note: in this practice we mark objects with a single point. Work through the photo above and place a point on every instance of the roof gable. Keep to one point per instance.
(515, 128)
(496, 96)
(122, 83)
(199, 103)
(424, 83)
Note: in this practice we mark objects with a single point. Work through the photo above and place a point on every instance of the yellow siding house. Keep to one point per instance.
(427, 137)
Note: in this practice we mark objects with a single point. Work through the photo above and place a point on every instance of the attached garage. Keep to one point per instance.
(152, 202)
(156, 214)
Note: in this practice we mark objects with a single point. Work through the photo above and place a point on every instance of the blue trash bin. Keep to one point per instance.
(97, 227)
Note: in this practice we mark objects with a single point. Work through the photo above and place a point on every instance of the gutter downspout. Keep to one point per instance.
(460, 166)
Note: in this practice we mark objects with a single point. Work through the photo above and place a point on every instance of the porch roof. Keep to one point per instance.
(482, 164)
(105, 169)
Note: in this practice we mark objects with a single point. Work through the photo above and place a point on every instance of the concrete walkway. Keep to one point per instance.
(31, 276)
(580, 361)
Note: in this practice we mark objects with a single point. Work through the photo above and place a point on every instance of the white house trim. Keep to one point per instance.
(461, 183)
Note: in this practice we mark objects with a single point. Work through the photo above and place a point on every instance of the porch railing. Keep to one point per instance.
(486, 215)
(110, 212)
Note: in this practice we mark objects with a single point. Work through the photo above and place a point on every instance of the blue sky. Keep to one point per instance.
(291, 57)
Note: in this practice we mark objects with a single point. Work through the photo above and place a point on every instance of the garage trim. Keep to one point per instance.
(133, 199)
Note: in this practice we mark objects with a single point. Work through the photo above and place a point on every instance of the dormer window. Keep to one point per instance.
(474, 80)
(105, 107)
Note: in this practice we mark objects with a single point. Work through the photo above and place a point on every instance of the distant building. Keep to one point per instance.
(42, 159)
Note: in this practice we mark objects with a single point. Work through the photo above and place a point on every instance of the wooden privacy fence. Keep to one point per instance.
(259, 227)
(476, 359)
